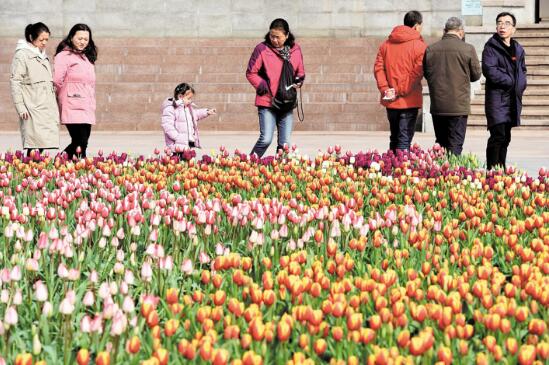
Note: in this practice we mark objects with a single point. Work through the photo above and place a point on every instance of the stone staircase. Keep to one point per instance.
(535, 110)
(135, 75)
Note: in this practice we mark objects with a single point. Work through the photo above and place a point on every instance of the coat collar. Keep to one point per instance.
(496, 43)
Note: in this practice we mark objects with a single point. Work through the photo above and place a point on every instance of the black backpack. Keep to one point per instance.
(286, 95)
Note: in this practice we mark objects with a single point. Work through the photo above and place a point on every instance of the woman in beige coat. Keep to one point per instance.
(32, 90)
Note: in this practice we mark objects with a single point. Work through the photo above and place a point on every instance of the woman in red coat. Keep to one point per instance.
(264, 69)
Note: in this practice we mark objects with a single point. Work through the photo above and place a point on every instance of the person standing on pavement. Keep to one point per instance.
(504, 66)
(264, 73)
(398, 71)
(450, 65)
(74, 79)
(32, 91)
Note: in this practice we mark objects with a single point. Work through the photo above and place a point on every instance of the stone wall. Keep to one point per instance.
(221, 18)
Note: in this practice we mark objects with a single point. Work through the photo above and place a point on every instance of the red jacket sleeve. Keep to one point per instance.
(379, 70)
(252, 72)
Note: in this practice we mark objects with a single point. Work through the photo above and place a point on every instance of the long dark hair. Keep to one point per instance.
(90, 51)
(282, 25)
(32, 31)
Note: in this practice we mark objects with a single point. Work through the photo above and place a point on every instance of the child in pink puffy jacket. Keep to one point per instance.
(180, 117)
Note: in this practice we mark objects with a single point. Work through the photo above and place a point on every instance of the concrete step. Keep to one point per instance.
(536, 50)
(528, 112)
(526, 101)
(480, 121)
(528, 42)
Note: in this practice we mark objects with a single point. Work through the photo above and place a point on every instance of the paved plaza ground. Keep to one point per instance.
(529, 149)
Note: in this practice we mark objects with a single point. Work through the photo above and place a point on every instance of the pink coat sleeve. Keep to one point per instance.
(168, 123)
(300, 72)
(200, 113)
(61, 65)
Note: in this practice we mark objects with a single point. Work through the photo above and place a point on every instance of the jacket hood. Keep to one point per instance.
(167, 102)
(23, 44)
(403, 33)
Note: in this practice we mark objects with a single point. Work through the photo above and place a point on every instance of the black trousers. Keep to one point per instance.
(450, 132)
(403, 126)
(80, 134)
(496, 148)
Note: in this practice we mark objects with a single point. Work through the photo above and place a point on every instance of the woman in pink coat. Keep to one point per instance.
(180, 117)
(264, 73)
(74, 79)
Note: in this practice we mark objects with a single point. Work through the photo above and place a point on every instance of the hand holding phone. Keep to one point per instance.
(389, 95)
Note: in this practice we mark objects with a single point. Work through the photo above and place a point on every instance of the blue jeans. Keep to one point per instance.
(268, 119)
(403, 126)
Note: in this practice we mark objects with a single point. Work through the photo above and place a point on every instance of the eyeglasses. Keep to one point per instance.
(505, 24)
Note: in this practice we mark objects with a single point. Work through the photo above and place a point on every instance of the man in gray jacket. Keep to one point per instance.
(450, 65)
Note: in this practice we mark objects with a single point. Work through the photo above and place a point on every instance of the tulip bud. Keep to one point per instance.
(36, 345)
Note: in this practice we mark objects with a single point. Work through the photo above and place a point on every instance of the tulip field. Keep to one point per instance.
(341, 258)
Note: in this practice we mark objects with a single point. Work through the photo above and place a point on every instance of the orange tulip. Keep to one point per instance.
(320, 346)
(220, 357)
(103, 358)
(23, 359)
(83, 357)
(283, 331)
(444, 354)
(152, 319)
(219, 297)
(337, 333)
(171, 327)
(172, 295)
(526, 355)
(403, 338)
(162, 355)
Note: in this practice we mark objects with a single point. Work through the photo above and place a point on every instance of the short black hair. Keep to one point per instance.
(32, 31)
(506, 13)
(181, 89)
(412, 18)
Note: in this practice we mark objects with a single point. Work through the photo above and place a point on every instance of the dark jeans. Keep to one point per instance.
(268, 120)
(496, 148)
(80, 133)
(450, 132)
(403, 126)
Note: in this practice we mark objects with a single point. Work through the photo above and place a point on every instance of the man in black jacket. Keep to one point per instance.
(450, 65)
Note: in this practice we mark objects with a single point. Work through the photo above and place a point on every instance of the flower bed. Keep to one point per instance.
(369, 258)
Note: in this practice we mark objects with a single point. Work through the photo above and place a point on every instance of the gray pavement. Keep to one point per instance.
(529, 149)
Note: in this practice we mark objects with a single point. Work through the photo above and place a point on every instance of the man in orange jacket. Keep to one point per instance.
(398, 71)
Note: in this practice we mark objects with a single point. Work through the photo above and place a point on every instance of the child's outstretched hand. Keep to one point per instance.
(211, 111)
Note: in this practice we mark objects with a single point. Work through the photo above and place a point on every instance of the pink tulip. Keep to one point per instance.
(17, 297)
(119, 323)
(129, 277)
(166, 263)
(94, 277)
(104, 290)
(4, 296)
(146, 272)
(41, 291)
(5, 275)
(2, 361)
(15, 274)
(31, 265)
(97, 324)
(128, 305)
(204, 258)
(187, 266)
(47, 309)
(10, 318)
(85, 324)
(66, 307)
(62, 271)
(88, 299)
